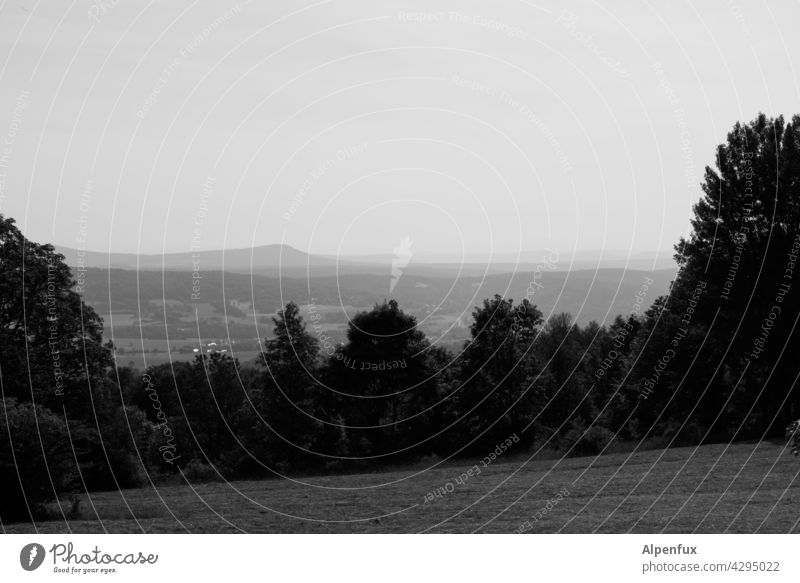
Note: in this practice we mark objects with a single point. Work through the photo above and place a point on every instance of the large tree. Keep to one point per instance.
(386, 378)
(736, 294)
(51, 346)
(52, 356)
(282, 428)
(503, 384)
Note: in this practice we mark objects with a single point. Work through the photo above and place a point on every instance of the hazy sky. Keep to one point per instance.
(347, 126)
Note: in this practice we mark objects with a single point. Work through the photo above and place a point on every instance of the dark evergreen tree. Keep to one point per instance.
(387, 380)
(284, 428)
(735, 298)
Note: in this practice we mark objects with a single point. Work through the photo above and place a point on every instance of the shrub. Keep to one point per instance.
(596, 439)
(36, 461)
(197, 471)
(588, 442)
(109, 456)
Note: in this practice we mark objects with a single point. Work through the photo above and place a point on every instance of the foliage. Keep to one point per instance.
(742, 257)
(51, 340)
(383, 383)
(502, 388)
(36, 460)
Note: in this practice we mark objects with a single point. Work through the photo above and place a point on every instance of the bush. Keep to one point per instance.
(588, 442)
(197, 471)
(596, 439)
(36, 462)
(109, 455)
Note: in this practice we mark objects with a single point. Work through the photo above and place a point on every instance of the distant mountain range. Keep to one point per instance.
(284, 260)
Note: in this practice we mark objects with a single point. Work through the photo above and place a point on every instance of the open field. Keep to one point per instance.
(714, 488)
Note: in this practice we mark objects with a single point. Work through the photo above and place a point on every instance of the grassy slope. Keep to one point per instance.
(672, 490)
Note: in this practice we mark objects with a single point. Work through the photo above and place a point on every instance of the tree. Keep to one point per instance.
(659, 395)
(606, 367)
(52, 356)
(51, 340)
(736, 291)
(502, 385)
(210, 403)
(386, 379)
(193, 411)
(290, 358)
(158, 389)
(283, 427)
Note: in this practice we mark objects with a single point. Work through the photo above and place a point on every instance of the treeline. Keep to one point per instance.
(714, 360)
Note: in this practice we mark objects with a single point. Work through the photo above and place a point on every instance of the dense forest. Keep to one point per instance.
(713, 360)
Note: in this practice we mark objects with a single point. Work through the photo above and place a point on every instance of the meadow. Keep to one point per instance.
(738, 488)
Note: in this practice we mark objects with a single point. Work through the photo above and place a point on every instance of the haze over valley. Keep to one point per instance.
(175, 305)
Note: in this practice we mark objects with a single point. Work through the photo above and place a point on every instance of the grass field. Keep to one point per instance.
(714, 488)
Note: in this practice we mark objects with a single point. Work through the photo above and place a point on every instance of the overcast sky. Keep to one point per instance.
(345, 126)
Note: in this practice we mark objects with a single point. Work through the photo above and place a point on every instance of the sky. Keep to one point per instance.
(354, 127)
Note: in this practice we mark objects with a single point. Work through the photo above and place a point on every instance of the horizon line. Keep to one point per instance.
(622, 252)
